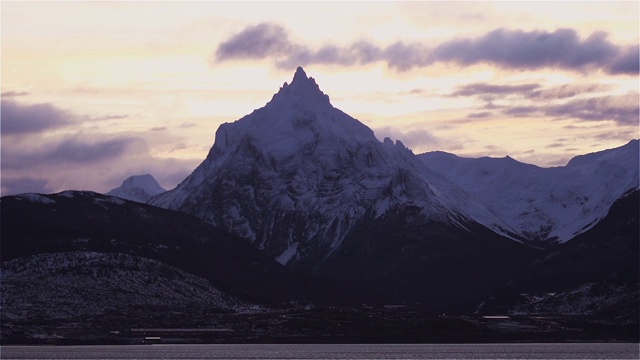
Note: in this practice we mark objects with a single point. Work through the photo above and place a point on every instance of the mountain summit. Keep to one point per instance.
(301, 88)
(138, 188)
(297, 176)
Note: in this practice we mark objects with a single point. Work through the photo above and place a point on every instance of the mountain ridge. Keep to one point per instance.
(555, 203)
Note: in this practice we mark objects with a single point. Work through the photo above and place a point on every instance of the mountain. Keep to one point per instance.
(138, 188)
(315, 189)
(545, 203)
(296, 177)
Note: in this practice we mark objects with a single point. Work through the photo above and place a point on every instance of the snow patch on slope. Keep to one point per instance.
(37, 198)
(288, 254)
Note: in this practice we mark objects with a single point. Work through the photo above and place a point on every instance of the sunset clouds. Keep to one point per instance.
(93, 92)
(45, 147)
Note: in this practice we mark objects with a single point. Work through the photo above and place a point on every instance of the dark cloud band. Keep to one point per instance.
(509, 49)
(23, 119)
(484, 88)
(14, 93)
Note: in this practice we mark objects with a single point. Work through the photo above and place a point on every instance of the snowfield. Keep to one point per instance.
(545, 203)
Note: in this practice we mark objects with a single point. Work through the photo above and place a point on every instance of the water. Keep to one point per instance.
(328, 351)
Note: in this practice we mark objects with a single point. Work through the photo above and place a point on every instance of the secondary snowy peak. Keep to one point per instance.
(297, 175)
(545, 203)
(138, 188)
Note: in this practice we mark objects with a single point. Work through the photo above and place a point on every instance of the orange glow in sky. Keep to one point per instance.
(104, 90)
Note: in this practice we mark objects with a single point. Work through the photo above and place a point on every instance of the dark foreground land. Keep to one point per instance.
(390, 324)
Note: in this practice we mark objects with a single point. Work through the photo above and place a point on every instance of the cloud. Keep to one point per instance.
(78, 149)
(36, 159)
(627, 62)
(256, 42)
(484, 88)
(623, 109)
(567, 91)
(108, 117)
(401, 56)
(516, 49)
(23, 184)
(97, 162)
(158, 128)
(504, 48)
(521, 110)
(14, 93)
(555, 145)
(623, 135)
(480, 115)
(358, 53)
(23, 119)
(179, 146)
(20, 119)
(272, 40)
(570, 104)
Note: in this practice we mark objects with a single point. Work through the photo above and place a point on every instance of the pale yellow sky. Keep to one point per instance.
(137, 87)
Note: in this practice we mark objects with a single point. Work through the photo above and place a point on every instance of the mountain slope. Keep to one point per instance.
(138, 188)
(296, 176)
(545, 203)
(73, 221)
(86, 284)
(596, 273)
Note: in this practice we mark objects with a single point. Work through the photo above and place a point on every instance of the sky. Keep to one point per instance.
(93, 92)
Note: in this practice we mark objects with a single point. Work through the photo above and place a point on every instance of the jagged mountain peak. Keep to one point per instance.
(301, 89)
(299, 116)
(300, 75)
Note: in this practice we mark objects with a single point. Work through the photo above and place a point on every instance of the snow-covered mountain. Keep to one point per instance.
(296, 176)
(545, 203)
(138, 188)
